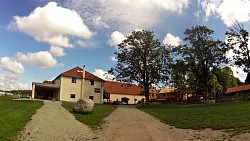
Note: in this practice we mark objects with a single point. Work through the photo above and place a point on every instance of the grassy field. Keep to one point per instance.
(95, 118)
(234, 116)
(14, 115)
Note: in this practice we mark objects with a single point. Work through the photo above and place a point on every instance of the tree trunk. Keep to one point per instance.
(247, 81)
(146, 91)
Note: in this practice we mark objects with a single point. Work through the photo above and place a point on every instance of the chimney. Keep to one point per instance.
(83, 71)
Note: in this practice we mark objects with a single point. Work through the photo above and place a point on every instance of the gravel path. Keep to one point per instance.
(53, 123)
(127, 123)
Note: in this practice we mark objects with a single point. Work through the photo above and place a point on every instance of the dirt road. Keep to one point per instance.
(53, 123)
(130, 124)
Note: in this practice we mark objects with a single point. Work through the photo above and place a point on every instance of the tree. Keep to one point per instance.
(237, 41)
(201, 54)
(225, 77)
(179, 77)
(141, 59)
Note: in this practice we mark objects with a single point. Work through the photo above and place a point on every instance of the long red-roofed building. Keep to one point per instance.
(239, 89)
(115, 91)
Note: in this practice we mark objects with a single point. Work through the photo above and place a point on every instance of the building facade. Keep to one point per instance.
(72, 85)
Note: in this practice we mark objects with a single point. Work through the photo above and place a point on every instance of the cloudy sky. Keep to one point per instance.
(39, 39)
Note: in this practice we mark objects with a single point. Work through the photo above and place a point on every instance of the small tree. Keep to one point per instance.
(140, 59)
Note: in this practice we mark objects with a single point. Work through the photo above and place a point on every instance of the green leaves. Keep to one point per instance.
(141, 59)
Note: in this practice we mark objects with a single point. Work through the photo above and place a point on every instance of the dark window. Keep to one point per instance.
(97, 90)
(91, 82)
(72, 96)
(91, 97)
(163, 94)
(73, 80)
(152, 94)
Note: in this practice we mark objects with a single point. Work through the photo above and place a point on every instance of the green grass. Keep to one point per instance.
(93, 119)
(14, 115)
(234, 116)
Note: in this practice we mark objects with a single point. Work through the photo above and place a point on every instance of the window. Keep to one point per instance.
(73, 80)
(91, 97)
(152, 94)
(72, 96)
(91, 82)
(163, 94)
(97, 90)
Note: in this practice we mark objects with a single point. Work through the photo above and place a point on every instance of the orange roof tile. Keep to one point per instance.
(77, 72)
(122, 88)
(238, 88)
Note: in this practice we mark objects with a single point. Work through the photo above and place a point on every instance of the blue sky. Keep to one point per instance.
(39, 39)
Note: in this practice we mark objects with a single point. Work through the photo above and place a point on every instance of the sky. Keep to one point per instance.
(39, 39)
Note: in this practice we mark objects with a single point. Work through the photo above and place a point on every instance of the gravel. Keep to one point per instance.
(53, 123)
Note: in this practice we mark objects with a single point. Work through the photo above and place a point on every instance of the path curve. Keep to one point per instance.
(127, 123)
(54, 123)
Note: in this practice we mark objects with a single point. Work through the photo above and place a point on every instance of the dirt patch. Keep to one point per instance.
(52, 122)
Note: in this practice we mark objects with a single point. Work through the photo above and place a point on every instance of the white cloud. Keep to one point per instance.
(126, 15)
(104, 75)
(41, 59)
(10, 82)
(57, 51)
(227, 10)
(81, 43)
(172, 40)
(59, 41)
(238, 72)
(8, 77)
(112, 58)
(116, 38)
(173, 5)
(52, 24)
(99, 22)
(11, 65)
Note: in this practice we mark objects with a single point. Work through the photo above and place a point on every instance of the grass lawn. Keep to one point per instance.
(14, 115)
(93, 119)
(235, 116)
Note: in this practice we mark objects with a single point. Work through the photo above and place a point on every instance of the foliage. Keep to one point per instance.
(141, 59)
(225, 77)
(201, 54)
(237, 41)
(93, 119)
(23, 93)
(14, 115)
(215, 116)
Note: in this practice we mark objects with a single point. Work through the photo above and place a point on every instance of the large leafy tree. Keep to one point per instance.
(237, 41)
(141, 59)
(201, 54)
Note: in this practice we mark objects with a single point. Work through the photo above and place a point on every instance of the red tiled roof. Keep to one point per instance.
(238, 88)
(122, 88)
(77, 72)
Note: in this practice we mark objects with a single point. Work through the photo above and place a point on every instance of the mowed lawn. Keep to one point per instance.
(93, 119)
(235, 116)
(14, 115)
